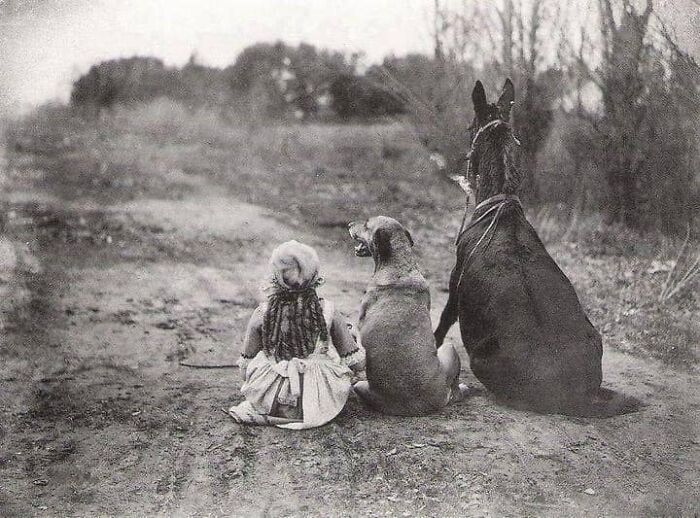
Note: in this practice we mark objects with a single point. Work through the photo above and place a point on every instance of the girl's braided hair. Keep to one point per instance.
(293, 322)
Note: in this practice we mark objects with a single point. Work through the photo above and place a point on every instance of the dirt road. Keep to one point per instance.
(100, 301)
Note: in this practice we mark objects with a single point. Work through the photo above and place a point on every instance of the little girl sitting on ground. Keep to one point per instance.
(299, 355)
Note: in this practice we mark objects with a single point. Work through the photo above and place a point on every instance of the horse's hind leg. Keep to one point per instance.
(450, 312)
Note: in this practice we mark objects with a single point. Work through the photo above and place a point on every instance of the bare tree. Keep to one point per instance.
(642, 137)
(498, 42)
(622, 87)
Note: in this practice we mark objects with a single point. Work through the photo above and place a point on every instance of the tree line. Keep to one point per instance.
(271, 80)
(607, 108)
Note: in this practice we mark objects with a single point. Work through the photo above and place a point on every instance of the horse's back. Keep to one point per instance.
(521, 320)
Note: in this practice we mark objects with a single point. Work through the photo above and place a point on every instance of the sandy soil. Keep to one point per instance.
(101, 301)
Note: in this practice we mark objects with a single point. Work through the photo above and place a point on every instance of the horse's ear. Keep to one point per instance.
(408, 235)
(381, 244)
(479, 100)
(506, 100)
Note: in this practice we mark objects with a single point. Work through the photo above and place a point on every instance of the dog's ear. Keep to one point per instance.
(381, 243)
(408, 235)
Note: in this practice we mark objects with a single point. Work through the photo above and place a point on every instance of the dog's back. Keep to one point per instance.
(402, 363)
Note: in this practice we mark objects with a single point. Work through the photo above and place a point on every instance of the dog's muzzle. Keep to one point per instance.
(362, 248)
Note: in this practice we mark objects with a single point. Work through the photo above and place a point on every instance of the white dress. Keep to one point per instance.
(326, 384)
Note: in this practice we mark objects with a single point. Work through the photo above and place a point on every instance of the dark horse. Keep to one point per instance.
(527, 336)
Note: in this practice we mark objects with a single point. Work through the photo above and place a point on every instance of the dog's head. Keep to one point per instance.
(379, 237)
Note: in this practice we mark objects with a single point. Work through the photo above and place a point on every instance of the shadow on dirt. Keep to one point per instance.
(606, 403)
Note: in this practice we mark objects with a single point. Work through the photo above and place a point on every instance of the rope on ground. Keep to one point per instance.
(213, 366)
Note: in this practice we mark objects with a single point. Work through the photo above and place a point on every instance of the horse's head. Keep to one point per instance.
(485, 112)
(491, 170)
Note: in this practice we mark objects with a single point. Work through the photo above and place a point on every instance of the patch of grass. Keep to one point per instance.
(322, 176)
(683, 272)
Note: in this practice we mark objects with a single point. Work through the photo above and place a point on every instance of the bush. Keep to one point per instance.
(358, 97)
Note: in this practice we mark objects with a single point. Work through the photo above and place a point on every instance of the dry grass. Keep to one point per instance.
(683, 274)
(151, 440)
(326, 175)
(619, 276)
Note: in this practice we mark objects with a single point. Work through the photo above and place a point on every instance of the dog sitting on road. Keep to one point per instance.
(406, 373)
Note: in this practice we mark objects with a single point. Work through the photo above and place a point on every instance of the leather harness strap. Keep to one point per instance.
(499, 202)
(469, 187)
(488, 201)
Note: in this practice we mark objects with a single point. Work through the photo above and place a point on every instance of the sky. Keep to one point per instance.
(46, 44)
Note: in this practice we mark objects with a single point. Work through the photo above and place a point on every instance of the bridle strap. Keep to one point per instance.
(483, 128)
(468, 159)
(495, 199)
(488, 201)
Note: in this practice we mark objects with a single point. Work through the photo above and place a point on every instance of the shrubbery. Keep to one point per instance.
(630, 151)
(267, 81)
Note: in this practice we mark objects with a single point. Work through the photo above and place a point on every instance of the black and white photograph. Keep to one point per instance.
(378, 258)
